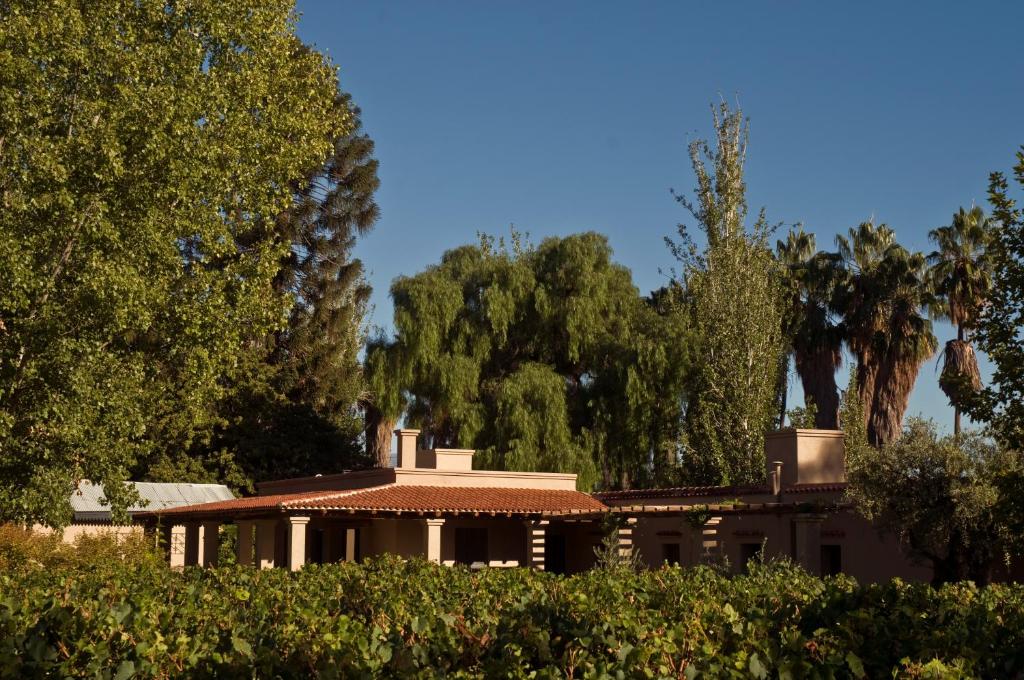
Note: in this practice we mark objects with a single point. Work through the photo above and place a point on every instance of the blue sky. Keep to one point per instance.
(561, 117)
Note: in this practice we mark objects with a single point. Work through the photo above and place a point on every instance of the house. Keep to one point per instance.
(434, 504)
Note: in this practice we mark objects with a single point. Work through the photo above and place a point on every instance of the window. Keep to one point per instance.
(670, 553)
(470, 545)
(748, 552)
(831, 560)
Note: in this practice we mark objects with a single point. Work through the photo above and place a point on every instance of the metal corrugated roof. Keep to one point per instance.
(155, 496)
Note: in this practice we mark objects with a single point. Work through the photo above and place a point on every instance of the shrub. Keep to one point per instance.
(396, 618)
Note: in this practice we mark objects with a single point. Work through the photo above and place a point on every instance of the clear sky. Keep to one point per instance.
(561, 117)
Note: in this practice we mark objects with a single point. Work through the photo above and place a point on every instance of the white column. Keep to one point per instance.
(351, 536)
(807, 542)
(711, 546)
(243, 546)
(266, 531)
(193, 544)
(432, 539)
(211, 544)
(625, 535)
(297, 542)
(174, 543)
(536, 534)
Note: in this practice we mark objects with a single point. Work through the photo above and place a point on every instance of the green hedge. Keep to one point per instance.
(394, 618)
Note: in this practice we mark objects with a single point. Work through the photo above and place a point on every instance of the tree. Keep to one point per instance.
(881, 296)
(942, 496)
(540, 358)
(144, 147)
(999, 329)
(815, 339)
(298, 414)
(734, 301)
(961, 279)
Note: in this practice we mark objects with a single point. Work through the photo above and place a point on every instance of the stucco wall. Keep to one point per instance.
(866, 555)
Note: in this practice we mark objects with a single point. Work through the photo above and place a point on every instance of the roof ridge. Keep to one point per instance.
(326, 496)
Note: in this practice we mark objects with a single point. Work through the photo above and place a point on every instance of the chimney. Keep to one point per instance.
(406, 448)
(775, 478)
(807, 456)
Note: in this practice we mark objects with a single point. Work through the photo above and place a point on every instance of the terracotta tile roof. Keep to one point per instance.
(722, 491)
(408, 498)
(678, 491)
(820, 487)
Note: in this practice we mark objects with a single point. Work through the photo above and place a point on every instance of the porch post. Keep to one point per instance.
(243, 547)
(536, 534)
(193, 544)
(432, 539)
(625, 535)
(211, 544)
(297, 542)
(174, 544)
(350, 545)
(266, 530)
(807, 542)
(711, 547)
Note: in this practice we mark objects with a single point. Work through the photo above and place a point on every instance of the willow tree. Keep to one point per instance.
(815, 338)
(961, 277)
(734, 300)
(540, 358)
(882, 296)
(143, 144)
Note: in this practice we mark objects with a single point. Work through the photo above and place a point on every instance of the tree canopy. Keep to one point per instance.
(733, 299)
(541, 358)
(1000, 330)
(942, 496)
(145, 146)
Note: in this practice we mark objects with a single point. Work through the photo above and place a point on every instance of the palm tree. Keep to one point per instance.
(815, 339)
(882, 296)
(961, 277)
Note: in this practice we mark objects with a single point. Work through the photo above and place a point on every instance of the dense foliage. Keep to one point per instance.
(733, 299)
(144, 146)
(541, 358)
(1000, 331)
(297, 413)
(943, 496)
(394, 618)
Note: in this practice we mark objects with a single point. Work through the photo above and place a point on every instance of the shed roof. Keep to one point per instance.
(87, 505)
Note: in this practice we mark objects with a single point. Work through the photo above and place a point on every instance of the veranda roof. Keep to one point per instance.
(396, 499)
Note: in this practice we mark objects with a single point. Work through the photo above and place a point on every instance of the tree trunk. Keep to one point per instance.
(817, 370)
(956, 407)
(378, 436)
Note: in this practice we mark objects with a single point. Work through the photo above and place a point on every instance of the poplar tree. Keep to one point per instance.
(998, 333)
(145, 146)
(734, 299)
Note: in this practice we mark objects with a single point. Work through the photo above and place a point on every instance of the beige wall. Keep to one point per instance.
(866, 555)
(808, 456)
(73, 532)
